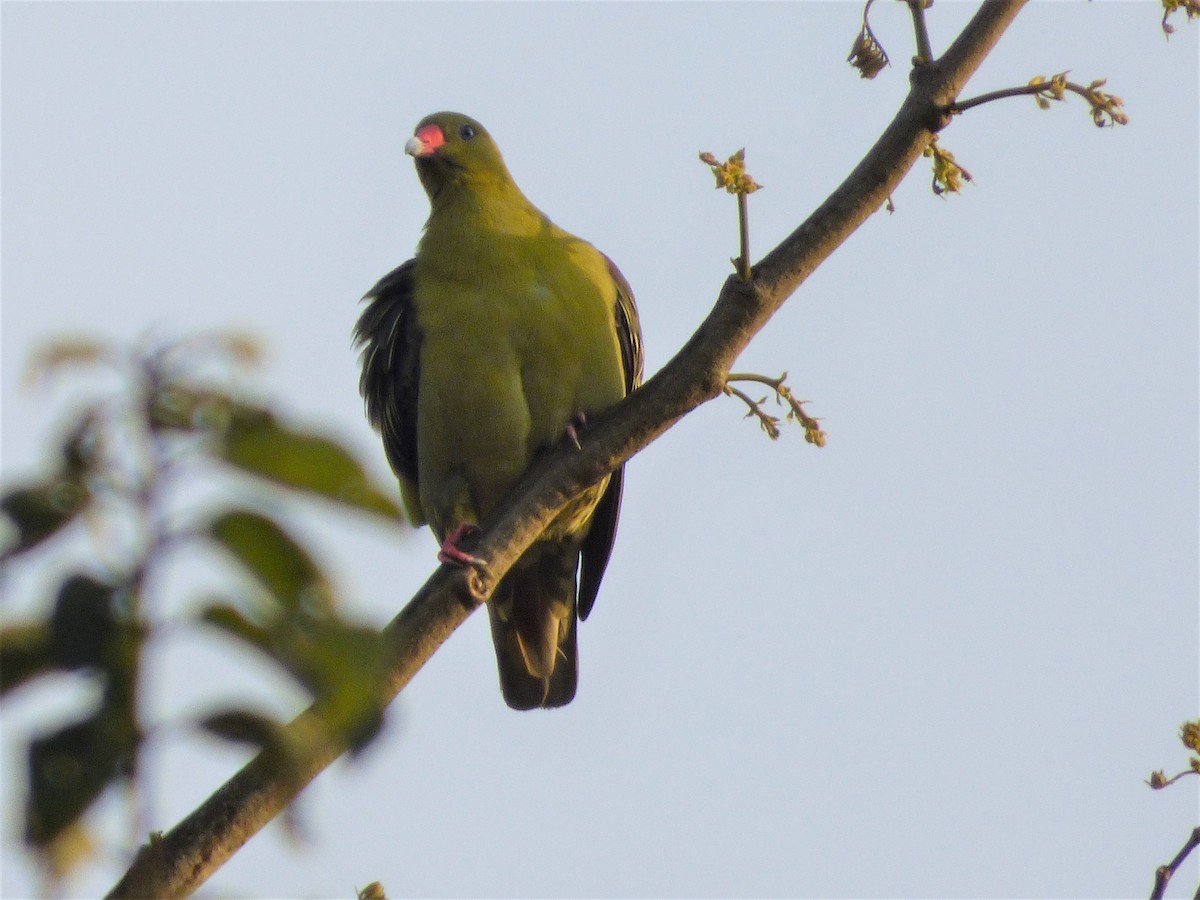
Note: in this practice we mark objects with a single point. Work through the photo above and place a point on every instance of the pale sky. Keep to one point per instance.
(936, 658)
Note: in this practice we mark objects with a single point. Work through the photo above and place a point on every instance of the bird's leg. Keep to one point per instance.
(451, 554)
(577, 424)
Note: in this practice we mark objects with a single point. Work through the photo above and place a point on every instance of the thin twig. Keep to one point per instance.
(1158, 780)
(1190, 7)
(769, 423)
(1163, 873)
(924, 49)
(783, 394)
(1105, 107)
(732, 176)
(1024, 90)
(743, 237)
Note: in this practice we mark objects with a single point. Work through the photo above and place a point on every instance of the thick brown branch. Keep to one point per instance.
(179, 861)
(867, 188)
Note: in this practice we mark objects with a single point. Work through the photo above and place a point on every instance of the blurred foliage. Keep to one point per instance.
(373, 891)
(117, 470)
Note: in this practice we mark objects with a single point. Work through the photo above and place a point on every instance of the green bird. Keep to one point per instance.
(500, 339)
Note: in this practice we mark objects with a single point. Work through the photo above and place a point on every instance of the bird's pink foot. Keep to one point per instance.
(451, 554)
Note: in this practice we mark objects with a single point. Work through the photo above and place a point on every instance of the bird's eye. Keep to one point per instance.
(466, 132)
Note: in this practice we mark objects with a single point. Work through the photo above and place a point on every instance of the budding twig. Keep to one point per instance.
(1106, 109)
(924, 49)
(1190, 7)
(1163, 873)
(783, 394)
(733, 177)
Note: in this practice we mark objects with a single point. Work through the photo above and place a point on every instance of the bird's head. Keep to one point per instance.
(450, 148)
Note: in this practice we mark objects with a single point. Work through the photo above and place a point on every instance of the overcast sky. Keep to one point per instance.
(936, 658)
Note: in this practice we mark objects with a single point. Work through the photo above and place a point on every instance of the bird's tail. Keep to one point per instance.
(532, 613)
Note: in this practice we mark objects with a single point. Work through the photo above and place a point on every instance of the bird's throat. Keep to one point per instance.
(461, 208)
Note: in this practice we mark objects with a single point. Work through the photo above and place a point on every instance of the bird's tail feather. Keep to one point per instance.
(532, 614)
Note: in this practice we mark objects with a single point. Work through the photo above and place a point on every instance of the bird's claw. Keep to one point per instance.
(452, 555)
(576, 425)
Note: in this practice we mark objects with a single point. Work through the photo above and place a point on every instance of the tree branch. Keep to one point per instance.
(176, 863)
(921, 31)
(783, 394)
(1163, 874)
(1105, 107)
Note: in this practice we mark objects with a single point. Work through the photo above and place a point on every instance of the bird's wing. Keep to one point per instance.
(597, 546)
(390, 343)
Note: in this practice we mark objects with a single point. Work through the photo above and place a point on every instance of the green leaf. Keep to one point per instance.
(235, 623)
(39, 511)
(253, 439)
(344, 666)
(245, 727)
(341, 665)
(26, 651)
(275, 559)
(304, 460)
(84, 625)
(69, 769)
(344, 658)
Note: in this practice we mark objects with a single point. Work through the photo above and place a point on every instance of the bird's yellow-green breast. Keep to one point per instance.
(518, 339)
(501, 335)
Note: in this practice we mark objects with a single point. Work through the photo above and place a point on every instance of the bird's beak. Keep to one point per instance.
(425, 142)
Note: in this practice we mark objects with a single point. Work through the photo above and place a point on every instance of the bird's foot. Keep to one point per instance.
(577, 424)
(451, 554)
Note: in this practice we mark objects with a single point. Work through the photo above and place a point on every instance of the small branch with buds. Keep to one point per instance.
(1106, 109)
(733, 177)
(1190, 7)
(924, 48)
(1189, 736)
(783, 395)
(1163, 874)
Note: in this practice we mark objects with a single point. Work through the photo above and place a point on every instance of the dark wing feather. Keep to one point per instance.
(597, 546)
(390, 342)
